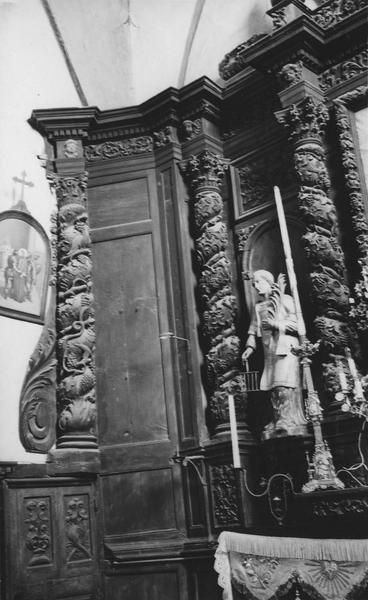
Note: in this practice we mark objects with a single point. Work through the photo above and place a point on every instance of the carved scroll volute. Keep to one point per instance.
(305, 123)
(75, 324)
(217, 309)
(37, 411)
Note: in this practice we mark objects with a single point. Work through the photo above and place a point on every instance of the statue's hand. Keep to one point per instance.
(247, 352)
(269, 324)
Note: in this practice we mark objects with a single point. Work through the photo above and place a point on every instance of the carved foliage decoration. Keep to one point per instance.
(235, 61)
(119, 149)
(75, 317)
(37, 413)
(345, 70)
(359, 311)
(224, 496)
(37, 531)
(335, 11)
(329, 294)
(257, 178)
(304, 120)
(163, 137)
(218, 306)
(77, 528)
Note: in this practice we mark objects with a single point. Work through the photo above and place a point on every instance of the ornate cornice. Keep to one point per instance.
(119, 149)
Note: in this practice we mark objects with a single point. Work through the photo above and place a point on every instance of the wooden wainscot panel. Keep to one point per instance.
(122, 202)
(139, 505)
(51, 539)
(160, 584)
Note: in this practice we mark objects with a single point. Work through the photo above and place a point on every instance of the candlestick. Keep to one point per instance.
(234, 432)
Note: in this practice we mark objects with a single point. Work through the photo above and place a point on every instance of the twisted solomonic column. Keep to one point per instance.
(75, 331)
(217, 305)
(305, 123)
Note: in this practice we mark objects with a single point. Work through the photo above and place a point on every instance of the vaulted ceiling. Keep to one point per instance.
(121, 52)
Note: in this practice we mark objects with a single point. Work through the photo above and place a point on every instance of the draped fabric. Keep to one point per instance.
(266, 568)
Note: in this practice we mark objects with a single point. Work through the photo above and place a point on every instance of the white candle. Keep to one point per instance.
(234, 432)
(342, 376)
(358, 389)
(351, 364)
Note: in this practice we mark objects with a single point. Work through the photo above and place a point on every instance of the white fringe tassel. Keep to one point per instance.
(345, 550)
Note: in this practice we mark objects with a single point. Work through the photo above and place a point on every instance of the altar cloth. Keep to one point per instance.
(257, 567)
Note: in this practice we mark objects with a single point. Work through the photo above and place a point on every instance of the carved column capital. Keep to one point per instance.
(205, 170)
(304, 121)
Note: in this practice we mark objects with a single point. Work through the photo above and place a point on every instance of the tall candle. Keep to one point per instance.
(342, 376)
(234, 432)
(351, 363)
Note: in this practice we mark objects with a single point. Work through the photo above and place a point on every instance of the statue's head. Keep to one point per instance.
(263, 281)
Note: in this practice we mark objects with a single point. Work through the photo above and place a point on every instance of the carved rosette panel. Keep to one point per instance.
(77, 528)
(359, 311)
(37, 410)
(37, 531)
(224, 496)
(218, 305)
(305, 123)
(75, 324)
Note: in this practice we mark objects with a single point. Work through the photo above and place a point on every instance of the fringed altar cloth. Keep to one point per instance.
(256, 567)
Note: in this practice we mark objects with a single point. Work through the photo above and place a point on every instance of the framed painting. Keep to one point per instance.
(24, 267)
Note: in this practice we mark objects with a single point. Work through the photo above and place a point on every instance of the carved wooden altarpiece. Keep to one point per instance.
(161, 209)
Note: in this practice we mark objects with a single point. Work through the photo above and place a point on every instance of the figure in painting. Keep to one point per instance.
(274, 322)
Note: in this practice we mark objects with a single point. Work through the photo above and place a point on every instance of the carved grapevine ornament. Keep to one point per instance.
(218, 306)
(305, 123)
(76, 395)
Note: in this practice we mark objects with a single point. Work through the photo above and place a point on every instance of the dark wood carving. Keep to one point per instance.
(38, 541)
(76, 394)
(218, 306)
(77, 528)
(224, 496)
(345, 70)
(359, 311)
(37, 410)
(305, 123)
(119, 149)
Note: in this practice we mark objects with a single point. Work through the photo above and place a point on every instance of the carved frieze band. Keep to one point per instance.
(359, 312)
(119, 149)
(345, 70)
(218, 305)
(305, 123)
(76, 394)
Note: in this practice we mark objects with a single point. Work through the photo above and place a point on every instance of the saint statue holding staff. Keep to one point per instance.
(274, 321)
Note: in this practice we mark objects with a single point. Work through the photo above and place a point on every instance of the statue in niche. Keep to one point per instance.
(274, 322)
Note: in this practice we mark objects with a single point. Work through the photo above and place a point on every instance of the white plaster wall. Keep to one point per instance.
(32, 75)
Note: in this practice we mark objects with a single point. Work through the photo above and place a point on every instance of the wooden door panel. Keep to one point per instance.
(130, 379)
